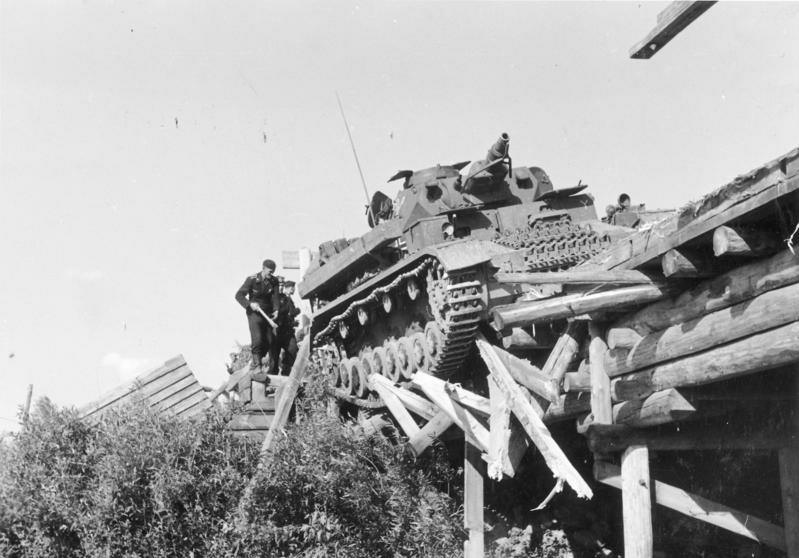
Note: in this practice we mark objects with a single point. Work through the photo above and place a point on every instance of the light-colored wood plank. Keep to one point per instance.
(528, 375)
(577, 277)
(702, 509)
(601, 406)
(473, 494)
(507, 444)
(434, 428)
(415, 403)
(401, 415)
(530, 420)
(636, 502)
(466, 398)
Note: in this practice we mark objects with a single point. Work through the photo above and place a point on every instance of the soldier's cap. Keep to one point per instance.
(289, 283)
(280, 279)
(270, 264)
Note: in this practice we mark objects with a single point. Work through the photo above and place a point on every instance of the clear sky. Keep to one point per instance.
(153, 153)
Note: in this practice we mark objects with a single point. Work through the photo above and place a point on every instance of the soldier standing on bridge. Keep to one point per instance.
(287, 314)
(259, 295)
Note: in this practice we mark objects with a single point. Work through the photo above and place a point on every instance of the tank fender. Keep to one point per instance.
(469, 253)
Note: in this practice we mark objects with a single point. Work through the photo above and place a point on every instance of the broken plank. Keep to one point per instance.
(398, 410)
(431, 431)
(507, 445)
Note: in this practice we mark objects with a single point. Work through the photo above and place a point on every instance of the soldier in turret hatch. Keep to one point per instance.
(287, 314)
(259, 295)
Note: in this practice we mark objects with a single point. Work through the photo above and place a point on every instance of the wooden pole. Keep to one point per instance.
(601, 406)
(27, 408)
(753, 243)
(683, 263)
(577, 277)
(789, 482)
(636, 502)
(473, 473)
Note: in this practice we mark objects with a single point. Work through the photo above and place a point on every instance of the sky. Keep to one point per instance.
(152, 154)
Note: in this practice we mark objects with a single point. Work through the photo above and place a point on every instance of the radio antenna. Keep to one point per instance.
(357, 162)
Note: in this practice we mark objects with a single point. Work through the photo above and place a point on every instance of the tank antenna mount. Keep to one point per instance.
(357, 162)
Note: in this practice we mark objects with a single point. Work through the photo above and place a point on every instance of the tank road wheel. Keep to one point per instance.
(412, 288)
(379, 360)
(344, 373)
(419, 352)
(392, 368)
(357, 377)
(405, 360)
(363, 316)
(434, 341)
(368, 367)
(387, 302)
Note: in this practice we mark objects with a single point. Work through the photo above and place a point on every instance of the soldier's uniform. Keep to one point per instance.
(265, 291)
(286, 341)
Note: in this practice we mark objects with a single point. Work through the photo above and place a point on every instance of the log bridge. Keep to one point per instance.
(696, 317)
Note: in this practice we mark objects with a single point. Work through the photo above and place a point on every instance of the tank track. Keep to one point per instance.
(457, 303)
(554, 244)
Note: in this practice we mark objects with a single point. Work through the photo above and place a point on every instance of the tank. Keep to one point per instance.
(411, 293)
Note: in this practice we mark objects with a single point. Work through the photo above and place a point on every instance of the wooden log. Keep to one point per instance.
(702, 509)
(684, 263)
(622, 338)
(529, 376)
(610, 438)
(659, 408)
(766, 311)
(741, 242)
(431, 431)
(398, 410)
(601, 406)
(530, 420)
(416, 404)
(473, 492)
(26, 408)
(434, 389)
(636, 502)
(577, 382)
(570, 306)
(579, 277)
(520, 339)
(769, 349)
(729, 288)
(562, 355)
(466, 398)
(568, 406)
(507, 444)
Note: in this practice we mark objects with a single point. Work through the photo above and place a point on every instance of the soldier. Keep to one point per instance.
(259, 295)
(624, 203)
(287, 314)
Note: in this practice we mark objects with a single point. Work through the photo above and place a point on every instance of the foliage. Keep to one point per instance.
(136, 484)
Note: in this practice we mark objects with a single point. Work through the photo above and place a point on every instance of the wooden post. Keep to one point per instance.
(753, 243)
(683, 263)
(636, 502)
(27, 408)
(789, 482)
(601, 406)
(473, 473)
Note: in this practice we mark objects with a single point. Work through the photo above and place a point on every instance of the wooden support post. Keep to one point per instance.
(473, 473)
(434, 428)
(753, 243)
(789, 481)
(683, 263)
(26, 409)
(601, 406)
(636, 502)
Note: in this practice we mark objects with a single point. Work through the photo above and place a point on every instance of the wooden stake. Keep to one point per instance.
(636, 502)
(473, 473)
(27, 408)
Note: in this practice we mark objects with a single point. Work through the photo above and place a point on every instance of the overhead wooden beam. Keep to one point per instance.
(577, 277)
(671, 21)
(570, 306)
(702, 509)
(554, 457)
(659, 408)
(745, 242)
(636, 502)
(431, 431)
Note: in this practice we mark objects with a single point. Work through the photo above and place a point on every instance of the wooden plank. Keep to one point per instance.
(175, 402)
(434, 389)
(528, 375)
(622, 338)
(767, 311)
(415, 403)
(167, 391)
(577, 382)
(770, 349)
(702, 509)
(676, 17)
(251, 421)
(579, 277)
(431, 431)
(531, 422)
(601, 406)
(199, 405)
(636, 502)
(743, 242)
(473, 493)
(466, 398)
(401, 415)
(683, 263)
(659, 408)
(506, 444)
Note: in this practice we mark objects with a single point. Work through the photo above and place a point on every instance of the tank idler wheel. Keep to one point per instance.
(363, 316)
(405, 360)
(412, 288)
(392, 368)
(387, 302)
(434, 341)
(419, 352)
(357, 377)
(343, 330)
(379, 360)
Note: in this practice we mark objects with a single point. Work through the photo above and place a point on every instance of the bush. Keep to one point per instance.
(136, 484)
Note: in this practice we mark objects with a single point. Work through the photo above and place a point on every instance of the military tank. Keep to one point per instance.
(411, 293)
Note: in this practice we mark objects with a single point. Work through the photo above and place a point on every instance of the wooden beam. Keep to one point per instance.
(659, 408)
(529, 376)
(578, 277)
(679, 262)
(520, 339)
(702, 509)
(769, 310)
(431, 431)
(601, 406)
(770, 349)
(671, 21)
(570, 306)
(400, 413)
(577, 382)
(789, 480)
(531, 422)
(506, 444)
(434, 389)
(743, 242)
(466, 398)
(636, 502)
(732, 287)
(416, 404)
(622, 338)
(562, 355)
(473, 493)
